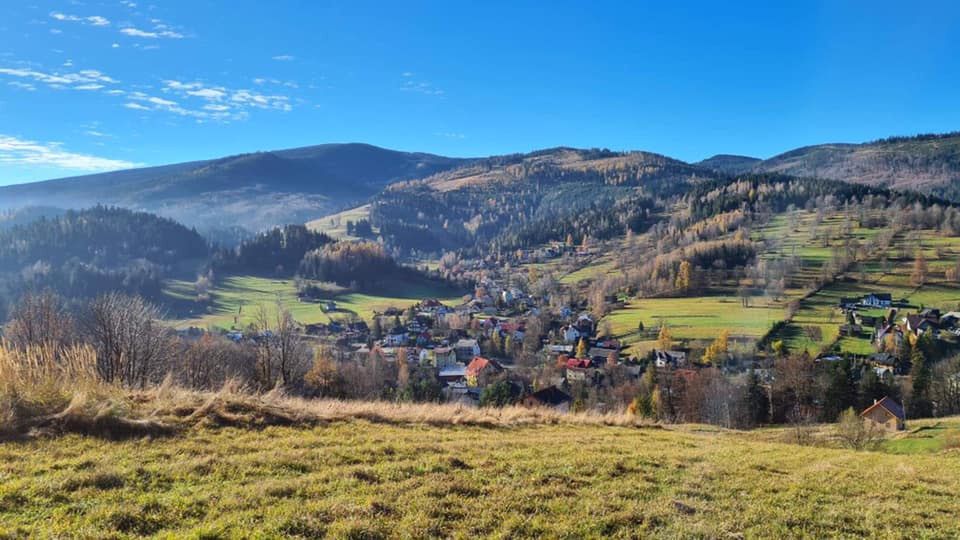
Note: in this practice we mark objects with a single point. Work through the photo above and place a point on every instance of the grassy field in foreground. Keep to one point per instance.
(360, 480)
(237, 299)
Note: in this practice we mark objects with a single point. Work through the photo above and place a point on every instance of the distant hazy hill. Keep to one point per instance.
(928, 163)
(252, 190)
(729, 164)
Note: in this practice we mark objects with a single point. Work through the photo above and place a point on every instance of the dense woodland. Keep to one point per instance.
(276, 252)
(85, 253)
(355, 265)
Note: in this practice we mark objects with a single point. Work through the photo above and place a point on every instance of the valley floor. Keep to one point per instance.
(364, 480)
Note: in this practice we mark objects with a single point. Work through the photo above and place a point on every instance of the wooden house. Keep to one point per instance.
(885, 413)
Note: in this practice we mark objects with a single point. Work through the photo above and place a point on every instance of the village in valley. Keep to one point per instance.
(503, 344)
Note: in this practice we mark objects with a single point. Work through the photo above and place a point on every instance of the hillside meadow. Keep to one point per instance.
(815, 326)
(236, 301)
(362, 479)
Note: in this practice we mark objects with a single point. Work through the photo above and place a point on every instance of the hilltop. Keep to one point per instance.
(254, 190)
(928, 163)
(729, 164)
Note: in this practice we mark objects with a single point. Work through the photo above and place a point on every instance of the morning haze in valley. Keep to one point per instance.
(426, 269)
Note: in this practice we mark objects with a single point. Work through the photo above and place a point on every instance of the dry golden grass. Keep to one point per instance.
(46, 391)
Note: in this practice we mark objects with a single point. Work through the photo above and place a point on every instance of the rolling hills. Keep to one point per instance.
(926, 163)
(264, 189)
(255, 190)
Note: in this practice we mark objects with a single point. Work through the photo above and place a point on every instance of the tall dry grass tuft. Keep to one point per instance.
(44, 390)
(47, 386)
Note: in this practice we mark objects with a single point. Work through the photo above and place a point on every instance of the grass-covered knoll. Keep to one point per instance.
(335, 225)
(236, 300)
(371, 480)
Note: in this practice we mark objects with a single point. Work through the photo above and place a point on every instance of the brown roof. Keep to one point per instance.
(888, 405)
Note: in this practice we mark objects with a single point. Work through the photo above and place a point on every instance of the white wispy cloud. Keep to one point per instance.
(16, 151)
(420, 87)
(22, 85)
(156, 33)
(92, 20)
(267, 80)
(197, 100)
(128, 3)
(60, 80)
(226, 103)
(451, 135)
(284, 58)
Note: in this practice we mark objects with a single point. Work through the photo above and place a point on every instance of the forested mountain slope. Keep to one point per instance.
(929, 163)
(255, 190)
(84, 253)
(516, 201)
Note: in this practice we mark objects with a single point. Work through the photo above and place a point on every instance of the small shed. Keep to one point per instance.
(551, 397)
(885, 413)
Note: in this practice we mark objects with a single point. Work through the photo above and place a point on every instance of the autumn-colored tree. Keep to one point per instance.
(919, 274)
(582, 348)
(716, 352)
(664, 339)
(324, 376)
(684, 277)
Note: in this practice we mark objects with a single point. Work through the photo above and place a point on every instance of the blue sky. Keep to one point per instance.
(97, 85)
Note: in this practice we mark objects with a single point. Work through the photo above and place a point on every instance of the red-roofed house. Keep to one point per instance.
(481, 368)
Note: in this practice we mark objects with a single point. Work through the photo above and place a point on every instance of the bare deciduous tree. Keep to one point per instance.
(282, 356)
(133, 346)
(40, 319)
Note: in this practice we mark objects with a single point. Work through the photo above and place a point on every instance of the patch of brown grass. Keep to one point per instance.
(48, 392)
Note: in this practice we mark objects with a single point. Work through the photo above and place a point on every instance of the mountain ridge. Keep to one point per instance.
(257, 189)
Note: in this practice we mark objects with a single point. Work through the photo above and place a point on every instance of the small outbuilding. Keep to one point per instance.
(885, 413)
(551, 397)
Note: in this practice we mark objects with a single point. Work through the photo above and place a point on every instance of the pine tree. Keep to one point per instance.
(756, 400)
(920, 405)
(376, 329)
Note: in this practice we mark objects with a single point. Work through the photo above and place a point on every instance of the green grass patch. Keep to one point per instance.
(361, 480)
(236, 300)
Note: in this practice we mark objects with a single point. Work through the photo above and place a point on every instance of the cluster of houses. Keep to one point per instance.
(463, 356)
(890, 330)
